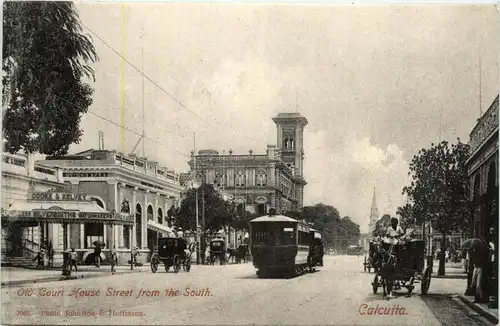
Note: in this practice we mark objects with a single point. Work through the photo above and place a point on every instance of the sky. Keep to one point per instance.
(376, 83)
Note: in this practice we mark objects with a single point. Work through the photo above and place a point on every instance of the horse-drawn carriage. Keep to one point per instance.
(172, 252)
(368, 262)
(217, 251)
(400, 264)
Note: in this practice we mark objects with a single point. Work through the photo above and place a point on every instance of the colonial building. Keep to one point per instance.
(260, 181)
(482, 169)
(374, 217)
(374, 213)
(121, 183)
(37, 210)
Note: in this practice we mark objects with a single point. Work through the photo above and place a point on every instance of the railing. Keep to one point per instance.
(27, 248)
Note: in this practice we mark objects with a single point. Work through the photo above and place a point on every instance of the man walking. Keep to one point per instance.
(72, 260)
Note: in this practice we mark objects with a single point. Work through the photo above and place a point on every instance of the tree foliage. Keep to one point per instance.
(338, 232)
(45, 58)
(218, 212)
(384, 222)
(438, 189)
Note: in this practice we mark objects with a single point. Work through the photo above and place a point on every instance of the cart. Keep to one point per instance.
(172, 252)
(217, 251)
(401, 265)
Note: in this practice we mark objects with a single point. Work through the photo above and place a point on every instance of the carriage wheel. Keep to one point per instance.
(177, 264)
(426, 281)
(187, 265)
(411, 286)
(154, 266)
(375, 284)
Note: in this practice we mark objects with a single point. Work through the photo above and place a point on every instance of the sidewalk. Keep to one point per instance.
(452, 271)
(13, 276)
(456, 288)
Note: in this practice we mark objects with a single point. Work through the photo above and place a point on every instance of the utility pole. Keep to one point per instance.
(143, 115)
(203, 215)
(197, 217)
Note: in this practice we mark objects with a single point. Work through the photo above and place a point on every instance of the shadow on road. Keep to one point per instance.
(448, 312)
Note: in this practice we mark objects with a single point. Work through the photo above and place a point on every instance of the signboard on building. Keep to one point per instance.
(59, 196)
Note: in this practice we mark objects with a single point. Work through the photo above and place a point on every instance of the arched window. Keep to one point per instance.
(138, 225)
(160, 216)
(150, 213)
(240, 206)
(240, 179)
(261, 178)
(492, 176)
(98, 202)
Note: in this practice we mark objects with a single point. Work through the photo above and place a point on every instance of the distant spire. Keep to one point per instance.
(374, 200)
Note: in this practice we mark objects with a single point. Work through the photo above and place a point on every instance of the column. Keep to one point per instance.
(133, 240)
(82, 236)
(105, 234)
(144, 232)
(119, 186)
(65, 236)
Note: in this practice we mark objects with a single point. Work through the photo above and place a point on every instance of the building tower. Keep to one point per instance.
(374, 214)
(290, 144)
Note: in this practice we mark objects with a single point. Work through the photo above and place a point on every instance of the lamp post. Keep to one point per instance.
(196, 186)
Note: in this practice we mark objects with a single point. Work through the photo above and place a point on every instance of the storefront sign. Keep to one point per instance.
(52, 214)
(96, 215)
(59, 196)
(65, 215)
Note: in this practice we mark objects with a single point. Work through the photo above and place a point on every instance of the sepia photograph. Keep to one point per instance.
(249, 163)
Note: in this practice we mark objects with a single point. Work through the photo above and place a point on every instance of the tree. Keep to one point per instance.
(218, 212)
(241, 223)
(337, 232)
(438, 190)
(45, 58)
(381, 226)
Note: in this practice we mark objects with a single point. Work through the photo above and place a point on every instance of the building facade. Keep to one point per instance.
(121, 183)
(21, 175)
(482, 169)
(258, 182)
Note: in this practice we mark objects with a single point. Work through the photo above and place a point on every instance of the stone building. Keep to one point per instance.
(121, 183)
(260, 181)
(482, 169)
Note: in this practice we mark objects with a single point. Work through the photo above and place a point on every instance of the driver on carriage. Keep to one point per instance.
(394, 232)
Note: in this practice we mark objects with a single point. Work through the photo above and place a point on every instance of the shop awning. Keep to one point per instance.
(152, 225)
(32, 212)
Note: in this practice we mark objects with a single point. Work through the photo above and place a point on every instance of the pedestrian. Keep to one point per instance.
(479, 258)
(51, 254)
(97, 254)
(72, 260)
(114, 259)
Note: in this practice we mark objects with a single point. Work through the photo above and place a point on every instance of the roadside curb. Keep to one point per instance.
(479, 309)
(63, 278)
(452, 276)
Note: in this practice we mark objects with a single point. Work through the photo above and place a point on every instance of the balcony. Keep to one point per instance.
(23, 164)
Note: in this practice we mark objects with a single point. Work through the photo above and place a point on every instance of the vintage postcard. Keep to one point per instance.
(175, 163)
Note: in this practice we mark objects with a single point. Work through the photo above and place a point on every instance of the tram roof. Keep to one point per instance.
(311, 229)
(274, 218)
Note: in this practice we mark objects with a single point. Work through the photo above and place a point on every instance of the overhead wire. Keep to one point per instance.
(125, 128)
(137, 69)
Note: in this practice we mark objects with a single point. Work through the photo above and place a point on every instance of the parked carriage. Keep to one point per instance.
(217, 251)
(172, 252)
(368, 262)
(400, 265)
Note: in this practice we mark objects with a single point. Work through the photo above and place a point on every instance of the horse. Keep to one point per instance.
(384, 263)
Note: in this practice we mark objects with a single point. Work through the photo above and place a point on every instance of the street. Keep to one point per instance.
(338, 294)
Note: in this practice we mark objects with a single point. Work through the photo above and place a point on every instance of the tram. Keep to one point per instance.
(280, 245)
